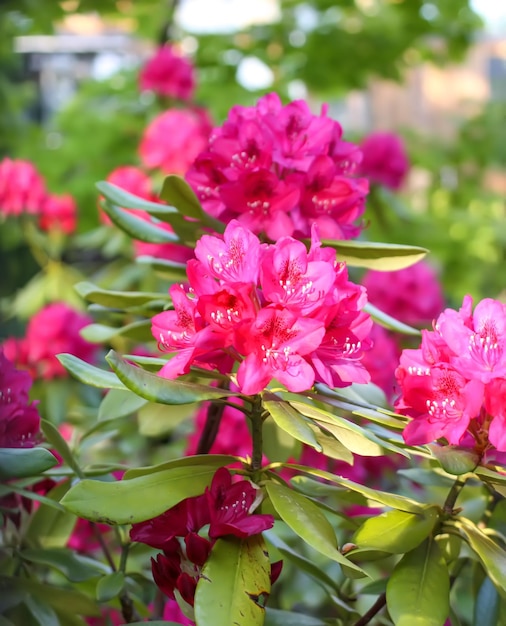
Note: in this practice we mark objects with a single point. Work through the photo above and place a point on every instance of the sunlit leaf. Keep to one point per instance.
(291, 421)
(389, 322)
(196, 460)
(89, 374)
(118, 299)
(128, 200)
(377, 256)
(137, 227)
(119, 403)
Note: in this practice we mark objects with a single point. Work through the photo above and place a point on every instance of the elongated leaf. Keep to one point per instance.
(162, 390)
(128, 200)
(491, 554)
(21, 462)
(389, 322)
(119, 403)
(419, 587)
(278, 445)
(43, 613)
(235, 583)
(110, 586)
(75, 567)
(308, 522)
(168, 269)
(117, 299)
(378, 256)
(118, 502)
(291, 421)
(382, 497)
(455, 460)
(50, 527)
(396, 532)
(331, 446)
(28, 493)
(209, 460)
(89, 374)
(137, 227)
(276, 617)
(486, 607)
(101, 333)
(54, 437)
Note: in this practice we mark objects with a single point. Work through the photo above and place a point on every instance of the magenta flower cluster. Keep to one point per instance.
(454, 385)
(279, 170)
(277, 310)
(168, 73)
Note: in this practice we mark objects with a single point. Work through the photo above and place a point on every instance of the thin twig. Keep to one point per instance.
(375, 608)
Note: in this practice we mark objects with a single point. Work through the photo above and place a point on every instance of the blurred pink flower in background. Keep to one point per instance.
(412, 295)
(385, 160)
(169, 74)
(53, 330)
(382, 359)
(22, 188)
(19, 419)
(174, 138)
(131, 179)
(59, 213)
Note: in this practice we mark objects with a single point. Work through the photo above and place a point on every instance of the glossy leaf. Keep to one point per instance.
(110, 586)
(128, 200)
(419, 587)
(162, 390)
(455, 460)
(486, 607)
(196, 460)
(168, 269)
(235, 583)
(101, 333)
(278, 445)
(59, 444)
(137, 227)
(331, 446)
(118, 502)
(396, 532)
(119, 403)
(377, 256)
(73, 566)
(491, 554)
(389, 322)
(118, 299)
(291, 421)
(22, 462)
(89, 374)
(308, 522)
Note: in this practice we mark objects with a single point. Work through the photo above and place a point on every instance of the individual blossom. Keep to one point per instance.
(412, 295)
(453, 386)
(19, 418)
(22, 188)
(280, 170)
(58, 213)
(173, 140)
(168, 74)
(53, 330)
(385, 161)
(225, 509)
(277, 311)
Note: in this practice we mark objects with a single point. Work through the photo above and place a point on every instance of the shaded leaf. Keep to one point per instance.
(137, 227)
(54, 437)
(22, 462)
(389, 322)
(101, 333)
(277, 617)
(118, 299)
(73, 566)
(454, 459)
(110, 586)
(486, 607)
(196, 460)
(128, 200)
(50, 527)
(157, 420)
(119, 403)
(43, 613)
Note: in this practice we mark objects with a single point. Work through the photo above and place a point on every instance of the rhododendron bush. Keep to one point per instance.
(248, 412)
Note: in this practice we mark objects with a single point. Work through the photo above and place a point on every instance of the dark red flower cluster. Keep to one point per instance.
(225, 508)
(279, 170)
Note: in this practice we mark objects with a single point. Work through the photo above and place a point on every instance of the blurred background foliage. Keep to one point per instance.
(319, 49)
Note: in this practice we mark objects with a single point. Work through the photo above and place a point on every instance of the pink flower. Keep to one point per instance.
(19, 419)
(382, 359)
(51, 331)
(59, 213)
(22, 188)
(454, 385)
(412, 295)
(168, 74)
(173, 140)
(384, 160)
(279, 170)
(133, 180)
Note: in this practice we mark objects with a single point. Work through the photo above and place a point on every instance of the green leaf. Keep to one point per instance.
(455, 460)
(308, 522)
(385, 257)
(73, 566)
(157, 420)
(137, 227)
(278, 445)
(118, 502)
(22, 462)
(43, 613)
(89, 374)
(276, 617)
(50, 527)
(127, 200)
(389, 322)
(28, 493)
(419, 587)
(210, 460)
(54, 437)
(486, 607)
(331, 446)
(491, 554)
(118, 299)
(387, 499)
(162, 390)
(291, 421)
(101, 333)
(119, 403)
(110, 586)
(168, 269)
(235, 583)
(396, 532)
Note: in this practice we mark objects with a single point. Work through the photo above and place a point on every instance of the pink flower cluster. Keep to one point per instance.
(384, 161)
(226, 508)
(279, 311)
(279, 170)
(19, 419)
(23, 190)
(455, 384)
(168, 74)
(53, 330)
(174, 138)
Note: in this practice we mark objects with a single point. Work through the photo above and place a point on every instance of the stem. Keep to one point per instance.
(213, 419)
(256, 433)
(375, 608)
(451, 498)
